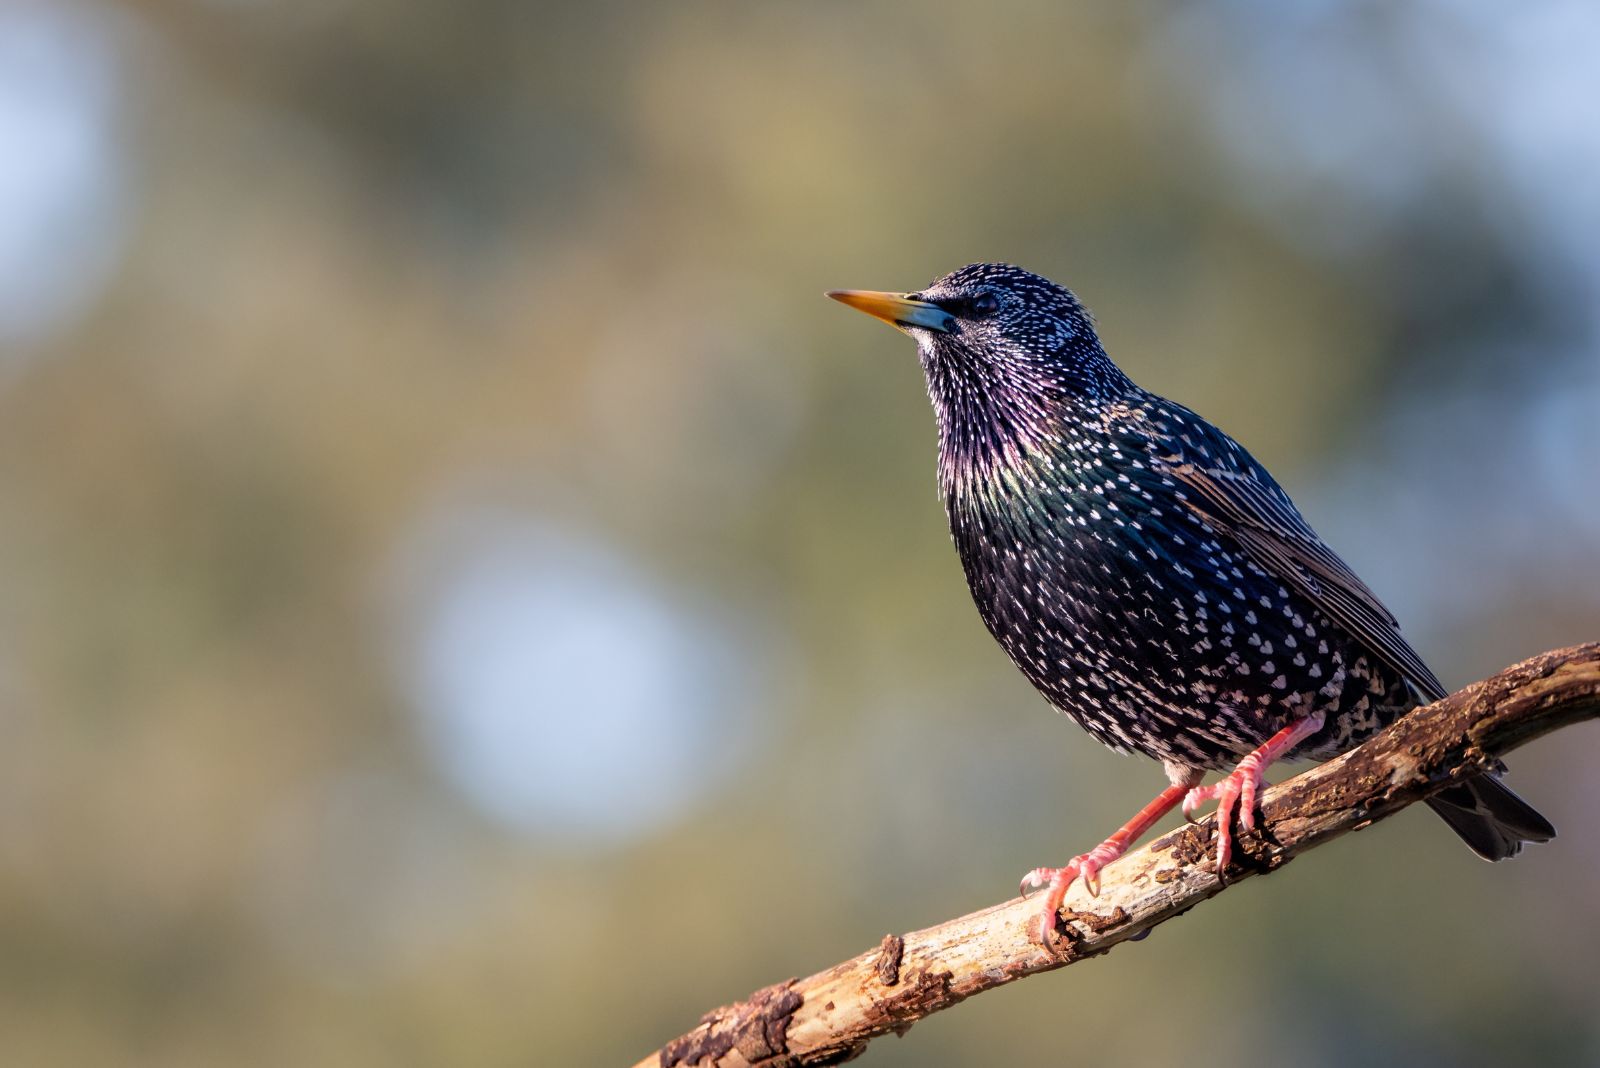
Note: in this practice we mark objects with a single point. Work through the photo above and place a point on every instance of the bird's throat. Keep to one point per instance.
(1007, 420)
(992, 450)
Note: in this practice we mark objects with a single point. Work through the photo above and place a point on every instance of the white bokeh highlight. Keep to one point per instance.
(561, 686)
(63, 180)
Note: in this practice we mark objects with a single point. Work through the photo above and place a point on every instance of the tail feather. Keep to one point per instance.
(1493, 821)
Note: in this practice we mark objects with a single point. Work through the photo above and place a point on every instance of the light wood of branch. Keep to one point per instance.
(831, 1016)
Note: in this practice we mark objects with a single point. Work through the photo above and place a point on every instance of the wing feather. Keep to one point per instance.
(1269, 527)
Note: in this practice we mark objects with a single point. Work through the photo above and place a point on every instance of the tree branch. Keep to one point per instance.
(831, 1016)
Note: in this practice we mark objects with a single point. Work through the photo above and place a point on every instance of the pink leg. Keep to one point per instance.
(1238, 789)
(1088, 864)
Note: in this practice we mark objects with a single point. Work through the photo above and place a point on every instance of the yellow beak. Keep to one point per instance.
(896, 309)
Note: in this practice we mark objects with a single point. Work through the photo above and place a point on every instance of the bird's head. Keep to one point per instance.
(1009, 358)
(995, 328)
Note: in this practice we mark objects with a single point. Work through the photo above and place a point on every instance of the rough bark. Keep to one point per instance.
(830, 1017)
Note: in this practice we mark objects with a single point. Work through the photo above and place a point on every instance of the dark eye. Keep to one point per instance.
(984, 305)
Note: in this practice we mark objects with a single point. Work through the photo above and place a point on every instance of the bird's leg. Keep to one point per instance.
(1238, 789)
(1088, 865)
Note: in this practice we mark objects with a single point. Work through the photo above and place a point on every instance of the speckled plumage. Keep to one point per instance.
(1148, 575)
(1096, 569)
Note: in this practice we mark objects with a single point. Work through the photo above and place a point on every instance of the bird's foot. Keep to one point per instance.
(1085, 866)
(1234, 792)
(1237, 790)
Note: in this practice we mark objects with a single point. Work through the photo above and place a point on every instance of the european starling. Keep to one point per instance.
(1148, 575)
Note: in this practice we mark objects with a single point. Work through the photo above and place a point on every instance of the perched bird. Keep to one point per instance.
(1148, 575)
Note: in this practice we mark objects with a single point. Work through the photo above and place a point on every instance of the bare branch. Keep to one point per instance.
(831, 1016)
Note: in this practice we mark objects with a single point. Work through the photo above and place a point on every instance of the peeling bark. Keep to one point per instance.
(830, 1017)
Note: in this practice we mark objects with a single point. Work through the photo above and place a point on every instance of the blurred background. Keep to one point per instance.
(466, 598)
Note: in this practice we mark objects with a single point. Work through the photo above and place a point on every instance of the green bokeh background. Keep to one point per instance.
(377, 267)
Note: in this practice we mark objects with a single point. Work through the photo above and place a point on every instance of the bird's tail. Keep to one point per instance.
(1493, 821)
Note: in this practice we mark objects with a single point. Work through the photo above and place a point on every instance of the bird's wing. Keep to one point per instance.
(1256, 512)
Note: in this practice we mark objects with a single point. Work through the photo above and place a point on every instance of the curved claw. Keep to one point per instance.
(1199, 795)
(1088, 865)
(1085, 866)
(1058, 880)
(1247, 800)
(1037, 879)
(1232, 792)
(1240, 787)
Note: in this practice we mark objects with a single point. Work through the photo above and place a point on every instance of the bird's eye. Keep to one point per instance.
(984, 305)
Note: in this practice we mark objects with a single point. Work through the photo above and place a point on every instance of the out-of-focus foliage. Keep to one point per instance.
(466, 598)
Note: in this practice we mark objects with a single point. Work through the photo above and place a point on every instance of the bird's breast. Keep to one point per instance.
(1130, 614)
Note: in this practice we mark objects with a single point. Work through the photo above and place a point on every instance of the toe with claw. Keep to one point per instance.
(1088, 865)
(1085, 866)
(1236, 792)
